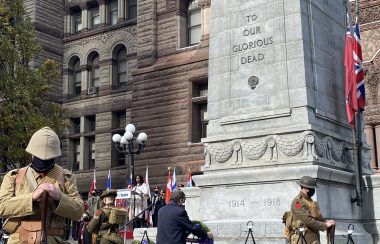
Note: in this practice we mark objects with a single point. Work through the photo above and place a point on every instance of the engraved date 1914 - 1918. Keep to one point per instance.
(242, 203)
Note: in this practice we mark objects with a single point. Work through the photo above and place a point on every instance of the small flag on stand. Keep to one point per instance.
(93, 183)
(189, 182)
(109, 180)
(168, 191)
(174, 181)
(130, 181)
(147, 181)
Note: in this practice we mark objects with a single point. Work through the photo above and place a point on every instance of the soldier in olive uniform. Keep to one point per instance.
(306, 215)
(21, 191)
(107, 233)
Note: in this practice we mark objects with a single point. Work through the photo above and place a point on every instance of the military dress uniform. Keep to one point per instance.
(16, 194)
(306, 214)
(107, 233)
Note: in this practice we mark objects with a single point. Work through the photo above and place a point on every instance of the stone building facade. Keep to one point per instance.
(369, 15)
(141, 62)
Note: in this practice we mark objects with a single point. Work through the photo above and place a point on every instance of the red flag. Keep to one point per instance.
(168, 192)
(358, 64)
(351, 92)
(189, 181)
(93, 183)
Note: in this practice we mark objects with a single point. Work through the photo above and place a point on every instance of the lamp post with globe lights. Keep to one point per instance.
(125, 144)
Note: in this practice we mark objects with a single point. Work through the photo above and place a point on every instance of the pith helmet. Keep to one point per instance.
(109, 193)
(308, 182)
(44, 144)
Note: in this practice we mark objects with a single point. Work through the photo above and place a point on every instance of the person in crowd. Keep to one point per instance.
(158, 201)
(139, 202)
(23, 192)
(174, 223)
(180, 186)
(84, 235)
(307, 221)
(93, 203)
(103, 224)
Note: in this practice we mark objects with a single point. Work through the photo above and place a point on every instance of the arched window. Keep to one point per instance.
(75, 77)
(194, 22)
(119, 63)
(94, 73)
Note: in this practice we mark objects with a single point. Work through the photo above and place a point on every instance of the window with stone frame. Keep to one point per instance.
(194, 23)
(199, 120)
(75, 77)
(74, 126)
(77, 20)
(95, 17)
(118, 158)
(131, 9)
(119, 67)
(76, 154)
(113, 12)
(89, 123)
(94, 73)
(91, 152)
(119, 119)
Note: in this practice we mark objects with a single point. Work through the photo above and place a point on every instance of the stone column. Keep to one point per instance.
(368, 130)
(102, 12)
(377, 139)
(205, 8)
(84, 8)
(121, 15)
(82, 155)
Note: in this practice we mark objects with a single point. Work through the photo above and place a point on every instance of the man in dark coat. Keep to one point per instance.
(158, 201)
(174, 223)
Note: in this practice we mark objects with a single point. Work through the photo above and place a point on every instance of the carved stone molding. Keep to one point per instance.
(372, 78)
(369, 11)
(204, 3)
(307, 146)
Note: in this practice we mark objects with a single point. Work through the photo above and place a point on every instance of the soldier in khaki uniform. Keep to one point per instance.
(101, 224)
(21, 191)
(306, 215)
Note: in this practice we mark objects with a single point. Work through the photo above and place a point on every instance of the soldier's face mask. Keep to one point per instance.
(311, 192)
(41, 166)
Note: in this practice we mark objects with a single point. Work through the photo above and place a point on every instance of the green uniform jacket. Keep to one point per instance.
(99, 225)
(19, 203)
(306, 213)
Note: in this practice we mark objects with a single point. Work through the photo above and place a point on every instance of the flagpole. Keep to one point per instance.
(355, 132)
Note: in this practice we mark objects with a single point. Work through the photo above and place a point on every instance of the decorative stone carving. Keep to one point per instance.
(253, 81)
(305, 146)
(204, 3)
(255, 151)
(331, 150)
(372, 77)
(291, 146)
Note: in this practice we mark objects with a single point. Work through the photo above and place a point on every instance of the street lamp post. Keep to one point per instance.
(125, 144)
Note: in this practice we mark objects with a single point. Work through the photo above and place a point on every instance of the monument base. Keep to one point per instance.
(227, 199)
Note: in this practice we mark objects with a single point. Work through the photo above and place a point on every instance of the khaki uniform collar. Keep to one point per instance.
(305, 196)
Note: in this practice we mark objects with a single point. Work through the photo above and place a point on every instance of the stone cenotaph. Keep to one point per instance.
(276, 110)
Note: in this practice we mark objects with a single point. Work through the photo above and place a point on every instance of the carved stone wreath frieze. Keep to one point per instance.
(305, 146)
